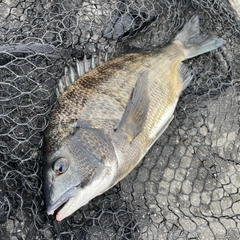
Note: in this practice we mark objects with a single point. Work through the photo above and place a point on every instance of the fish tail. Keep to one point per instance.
(194, 44)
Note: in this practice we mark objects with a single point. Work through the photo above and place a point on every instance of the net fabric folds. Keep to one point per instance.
(187, 186)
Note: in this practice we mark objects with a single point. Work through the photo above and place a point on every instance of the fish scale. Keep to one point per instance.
(120, 88)
(163, 93)
(75, 103)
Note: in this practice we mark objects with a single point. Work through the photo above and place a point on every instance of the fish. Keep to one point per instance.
(108, 119)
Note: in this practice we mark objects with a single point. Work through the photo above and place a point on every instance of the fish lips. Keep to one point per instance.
(63, 199)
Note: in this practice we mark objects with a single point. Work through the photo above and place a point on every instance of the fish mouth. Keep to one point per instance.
(82, 198)
(62, 200)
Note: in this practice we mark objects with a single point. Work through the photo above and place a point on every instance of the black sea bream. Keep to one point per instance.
(109, 118)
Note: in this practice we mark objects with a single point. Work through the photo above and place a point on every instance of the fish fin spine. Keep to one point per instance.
(186, 75)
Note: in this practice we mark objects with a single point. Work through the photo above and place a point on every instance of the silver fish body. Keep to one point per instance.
(108, 119)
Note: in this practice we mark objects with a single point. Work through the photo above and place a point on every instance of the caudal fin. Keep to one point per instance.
(194, 44)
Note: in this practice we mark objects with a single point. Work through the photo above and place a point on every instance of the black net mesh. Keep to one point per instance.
(187, 186)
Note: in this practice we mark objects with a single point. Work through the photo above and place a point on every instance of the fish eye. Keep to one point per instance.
(60, 166)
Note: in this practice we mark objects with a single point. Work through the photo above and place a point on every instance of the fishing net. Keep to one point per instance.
(187, 186)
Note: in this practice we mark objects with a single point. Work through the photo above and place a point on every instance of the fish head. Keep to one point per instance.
(83, 168)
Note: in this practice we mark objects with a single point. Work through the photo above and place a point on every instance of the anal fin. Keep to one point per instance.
(136, 110)
(161, 131)
(185, 75)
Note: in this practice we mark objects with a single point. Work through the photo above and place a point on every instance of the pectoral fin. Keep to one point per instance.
(136, 110)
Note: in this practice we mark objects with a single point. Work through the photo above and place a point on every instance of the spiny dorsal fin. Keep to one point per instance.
(136, 110)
